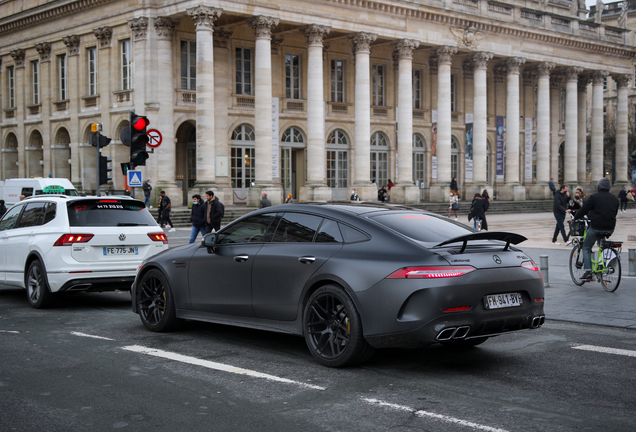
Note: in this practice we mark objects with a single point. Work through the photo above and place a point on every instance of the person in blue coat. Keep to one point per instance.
(197, 217)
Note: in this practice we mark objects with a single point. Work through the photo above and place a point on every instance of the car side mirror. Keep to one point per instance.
(209, 241)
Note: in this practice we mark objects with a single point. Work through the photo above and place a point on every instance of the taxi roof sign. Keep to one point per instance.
(53, 189)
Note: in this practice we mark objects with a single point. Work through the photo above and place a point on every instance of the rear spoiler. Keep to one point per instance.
(485, 235)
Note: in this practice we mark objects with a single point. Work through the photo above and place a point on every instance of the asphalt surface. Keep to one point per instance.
(564, 301)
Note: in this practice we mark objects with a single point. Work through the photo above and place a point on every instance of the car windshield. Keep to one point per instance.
(423, 227)
(108, 212)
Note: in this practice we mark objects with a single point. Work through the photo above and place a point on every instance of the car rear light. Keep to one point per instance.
(69, 239)
(458, 309)
(110, 201)
(530, 265)
(538, 300)
(430, 272)
(158, 237)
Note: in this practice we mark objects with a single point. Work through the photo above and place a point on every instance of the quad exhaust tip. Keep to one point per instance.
(538, 321)
(453, 333)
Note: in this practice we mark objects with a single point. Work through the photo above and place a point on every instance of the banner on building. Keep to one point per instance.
(528, 130)
(275, 143)
(469, 146)
(434, 145)
(500, 148)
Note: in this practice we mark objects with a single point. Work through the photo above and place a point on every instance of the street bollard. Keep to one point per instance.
(543, 268)
(632, 262)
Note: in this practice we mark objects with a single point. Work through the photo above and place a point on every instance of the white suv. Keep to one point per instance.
(57, 243)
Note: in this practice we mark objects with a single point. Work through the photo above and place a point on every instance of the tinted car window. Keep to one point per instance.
(27, 191)
(250, 230)
(297, 227)
(10, 218)
(427, 228)
(32, 215)
(329, 232)
(50, 213)
(108, 212)
(352, 235)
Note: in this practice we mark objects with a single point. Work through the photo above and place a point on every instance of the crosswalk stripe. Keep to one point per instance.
(606, 350)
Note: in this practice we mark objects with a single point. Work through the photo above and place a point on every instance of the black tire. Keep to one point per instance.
(611, 277)
(155, 303)
(333, 328)
(38, 294)
(464, 343)
(576, 265)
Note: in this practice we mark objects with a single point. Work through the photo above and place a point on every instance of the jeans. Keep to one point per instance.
(147, 201)
(195, 232)
(592, 237)
(559, 227)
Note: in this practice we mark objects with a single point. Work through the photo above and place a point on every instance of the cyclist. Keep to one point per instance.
(601, 208)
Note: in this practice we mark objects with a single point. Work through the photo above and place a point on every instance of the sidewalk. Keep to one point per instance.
(564, 301)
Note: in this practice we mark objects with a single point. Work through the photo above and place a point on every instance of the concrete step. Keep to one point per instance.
(180, 216)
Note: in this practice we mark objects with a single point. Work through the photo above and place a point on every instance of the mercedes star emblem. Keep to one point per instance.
(497, 259)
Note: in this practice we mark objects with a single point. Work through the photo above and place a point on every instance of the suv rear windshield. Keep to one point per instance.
(423, 227)
(108, 212)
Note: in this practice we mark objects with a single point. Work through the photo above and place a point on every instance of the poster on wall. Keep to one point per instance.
(500, 148)
(275, 143)
(469, 146)
(528, 131)
(434, 145)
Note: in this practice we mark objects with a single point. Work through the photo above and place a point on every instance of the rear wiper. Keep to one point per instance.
(130, 224)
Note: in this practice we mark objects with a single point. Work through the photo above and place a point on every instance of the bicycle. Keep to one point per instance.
(606, 261)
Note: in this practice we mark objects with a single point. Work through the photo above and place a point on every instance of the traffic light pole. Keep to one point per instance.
(97, 164)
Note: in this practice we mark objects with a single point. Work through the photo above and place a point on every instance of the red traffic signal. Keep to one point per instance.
(139, 122)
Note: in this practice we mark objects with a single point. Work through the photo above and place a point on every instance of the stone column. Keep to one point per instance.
(79, 164)
(512, 189)
(596, 150)
(362, 117)
(555, 125)
(581, 136)
(440, 192)
(166, 153)
(315, 188)
(262, 27)
(543, 126)
(622, 112)
(19, 82)
(405, 190)
(480, 119)
(44, 50)
(570, 151)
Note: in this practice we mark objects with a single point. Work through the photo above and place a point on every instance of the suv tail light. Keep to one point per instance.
(158, 237)
(430, 272)
(69, 239)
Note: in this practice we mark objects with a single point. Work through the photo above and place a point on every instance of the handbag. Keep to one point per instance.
(456, 206)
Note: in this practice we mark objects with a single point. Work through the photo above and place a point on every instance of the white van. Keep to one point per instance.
(11, 189)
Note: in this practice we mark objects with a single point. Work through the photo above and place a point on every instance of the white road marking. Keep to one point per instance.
(441, 417)
(9, 331)
(606, 350)
(90, 336)
(216, 366)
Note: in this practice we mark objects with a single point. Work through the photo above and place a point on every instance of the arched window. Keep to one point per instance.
(337, 160)
(337, 137)
(379, 159)
(243, 132)
(34, 155)
(242, 161)
(9, 157)
(454, 158)
(292, 138)
(418, 160)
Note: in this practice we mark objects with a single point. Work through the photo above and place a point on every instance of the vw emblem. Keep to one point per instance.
(122, 237)
(496, 259)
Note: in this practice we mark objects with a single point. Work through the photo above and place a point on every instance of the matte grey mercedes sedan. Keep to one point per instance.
(349, 278)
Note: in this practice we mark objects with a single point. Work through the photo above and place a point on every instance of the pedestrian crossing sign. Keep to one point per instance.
(134, 178)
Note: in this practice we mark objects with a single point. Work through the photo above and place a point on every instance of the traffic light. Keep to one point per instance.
(125, 167)
(100, 140)
(138, 139)
(104, 169)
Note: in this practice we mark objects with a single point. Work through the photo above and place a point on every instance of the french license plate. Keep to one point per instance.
(121, 250)
(498, 301)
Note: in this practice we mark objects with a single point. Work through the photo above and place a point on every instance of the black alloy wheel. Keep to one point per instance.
(576, 265)
(155, 303)
(38, 293)
(333, 328)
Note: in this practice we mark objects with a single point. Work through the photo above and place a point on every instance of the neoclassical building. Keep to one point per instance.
(317, 97)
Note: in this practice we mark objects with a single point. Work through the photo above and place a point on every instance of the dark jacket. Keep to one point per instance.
(623, 195)
(552, 187)
(3, 209)
(477, 209)
(216, 213)
(486, 199)
(197, 216)
(453, 185)
(601, 208)
(560, 203)
(147, 188)
(164, 203)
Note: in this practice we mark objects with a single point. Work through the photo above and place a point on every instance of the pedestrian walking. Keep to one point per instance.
(164, 208)
(289, 199)
(354, 195)
(214, 212)
(559, 209)
(454, 203)
(477, 212)
(197, 217)
(3, 208)
(486, 198)
(265, 202)
(147, 188)
(382, 194)
(622, 195)
(552, 187)
(453, 184)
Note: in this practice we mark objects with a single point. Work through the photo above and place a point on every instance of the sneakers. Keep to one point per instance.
(172, 229)
(556, 243)
(587, 276)
(455, 218)
(568, 243)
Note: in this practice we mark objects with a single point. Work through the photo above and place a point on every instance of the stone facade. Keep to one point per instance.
(347, 94)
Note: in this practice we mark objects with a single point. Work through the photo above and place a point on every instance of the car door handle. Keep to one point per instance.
(307, 259)
(241, 258)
